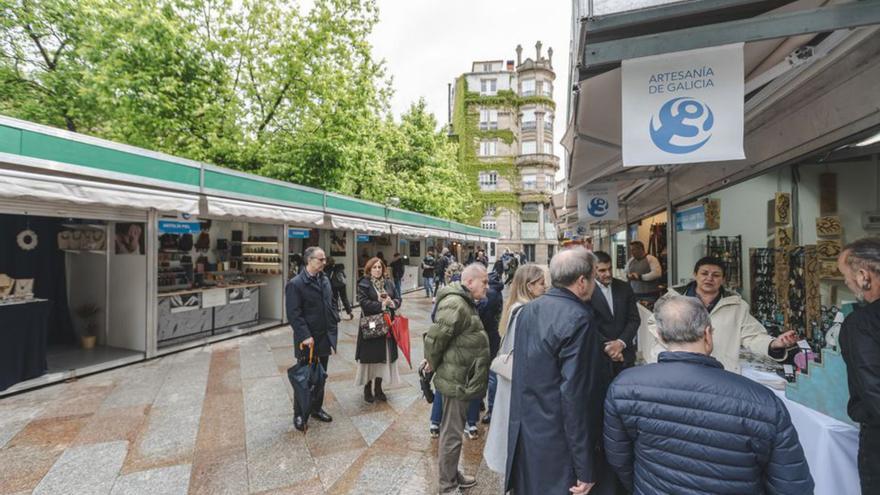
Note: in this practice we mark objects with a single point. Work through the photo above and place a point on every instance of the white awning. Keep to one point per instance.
(24, 186)
(472, 238)
(359, 225)
(222, 207)
(456, 235)
(408, 231)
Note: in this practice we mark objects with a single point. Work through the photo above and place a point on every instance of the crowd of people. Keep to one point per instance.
(568, 410)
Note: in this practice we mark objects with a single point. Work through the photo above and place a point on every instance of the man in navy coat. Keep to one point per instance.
(309, 304)
(560, 375)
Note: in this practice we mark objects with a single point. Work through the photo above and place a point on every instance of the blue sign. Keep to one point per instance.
(598, 207)
(176, 227)
(673, 116)
(691, 219)
(298, 233)
(363, 238)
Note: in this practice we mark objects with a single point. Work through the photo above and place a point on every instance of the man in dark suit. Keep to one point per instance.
(310, 309)
(617, 315)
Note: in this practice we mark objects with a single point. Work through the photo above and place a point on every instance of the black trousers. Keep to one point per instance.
(340, 293)
(317, 395)
(869, 459)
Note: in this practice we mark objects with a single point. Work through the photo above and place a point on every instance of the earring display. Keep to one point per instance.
(763, 294)
(728, 250)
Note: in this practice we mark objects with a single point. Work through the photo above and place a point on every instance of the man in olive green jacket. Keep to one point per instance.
(457, 349)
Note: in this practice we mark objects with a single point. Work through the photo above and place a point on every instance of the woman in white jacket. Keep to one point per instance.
(529, 283)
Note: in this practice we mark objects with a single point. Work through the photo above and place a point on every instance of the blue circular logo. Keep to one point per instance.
(684, 125)
(598, 207)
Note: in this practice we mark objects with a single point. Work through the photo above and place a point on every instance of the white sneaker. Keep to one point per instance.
(472, 432)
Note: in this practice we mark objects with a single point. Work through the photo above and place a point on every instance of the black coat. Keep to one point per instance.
(490, 312)
(860, 346)
(558, 386)
(373, 350)
(309, 306)
(684, 425)
(624, 324)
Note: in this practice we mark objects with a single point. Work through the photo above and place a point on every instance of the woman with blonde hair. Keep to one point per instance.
(529, 283)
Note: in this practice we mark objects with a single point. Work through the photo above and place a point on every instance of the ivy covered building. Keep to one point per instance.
(502, 116)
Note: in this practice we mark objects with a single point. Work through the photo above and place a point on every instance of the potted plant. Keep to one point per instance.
(88, 313)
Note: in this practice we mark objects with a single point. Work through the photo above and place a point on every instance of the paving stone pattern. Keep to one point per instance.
(218, 420)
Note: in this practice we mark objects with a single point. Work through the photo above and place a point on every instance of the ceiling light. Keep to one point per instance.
(871, 140)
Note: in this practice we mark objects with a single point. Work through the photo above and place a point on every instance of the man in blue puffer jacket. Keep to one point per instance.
(686, 426)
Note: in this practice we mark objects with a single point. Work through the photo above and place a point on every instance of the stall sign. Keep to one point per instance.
(597, 202)
(683, 107)
(213, 297)
(176, 227)
(693, 218)
(363, 238)
(298, 233)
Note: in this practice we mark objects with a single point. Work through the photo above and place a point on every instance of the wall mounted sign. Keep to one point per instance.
(597, 202)
(298, 233)
(683, 107)
(363, 238)
(175, 227)
(693, 218)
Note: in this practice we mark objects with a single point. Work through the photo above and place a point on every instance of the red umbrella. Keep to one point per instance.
(400, 331)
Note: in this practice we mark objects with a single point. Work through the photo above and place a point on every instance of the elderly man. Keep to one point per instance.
(560, 375)
(314, 318)
(684, 425)
(457, 347)
(734, 326)
(859, 262)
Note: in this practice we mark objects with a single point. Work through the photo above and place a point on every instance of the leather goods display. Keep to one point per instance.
(373, 326)
(64, 240)
(169, 242)
(24, 287)
(6, 285)
(204, 241)
(185, 243)
(94, 240)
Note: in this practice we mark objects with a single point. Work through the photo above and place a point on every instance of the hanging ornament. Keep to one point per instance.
(27, 239)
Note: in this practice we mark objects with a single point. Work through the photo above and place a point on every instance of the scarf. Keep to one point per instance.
(379, 285)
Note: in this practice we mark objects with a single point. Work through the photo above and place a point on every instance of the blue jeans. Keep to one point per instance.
(398, 285)
(473, 412)
(493, 384)
(429, 286)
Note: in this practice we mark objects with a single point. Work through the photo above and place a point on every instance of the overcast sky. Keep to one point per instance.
(428, 43)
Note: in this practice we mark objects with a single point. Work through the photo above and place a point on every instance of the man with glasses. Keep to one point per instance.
(309, 303)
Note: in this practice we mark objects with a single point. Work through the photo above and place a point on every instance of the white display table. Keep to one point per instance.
(831, 446)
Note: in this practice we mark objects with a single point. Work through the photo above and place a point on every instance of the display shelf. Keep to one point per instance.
(260, 243)
(261, 254)
(89, 226)
(260, 263)
(81, 251)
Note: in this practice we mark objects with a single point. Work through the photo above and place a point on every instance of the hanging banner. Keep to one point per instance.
(683, 107)
(597, 202)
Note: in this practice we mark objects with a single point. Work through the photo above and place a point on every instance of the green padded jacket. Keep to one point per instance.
(457, 347)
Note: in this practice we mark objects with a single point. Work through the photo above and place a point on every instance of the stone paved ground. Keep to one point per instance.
(218, 420)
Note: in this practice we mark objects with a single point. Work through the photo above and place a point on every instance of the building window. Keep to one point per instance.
(550, 179)
(490, 209)
(528, 87)
(488, 181)
(529, 251)
(488, 119)
(548, 147)
(489, 148)
(547, 89)
(548, 121)
(529, 212)
(487, 67)
(489, 225)
(528, 120)
(488, 86)
(529, 147)
(529, 183)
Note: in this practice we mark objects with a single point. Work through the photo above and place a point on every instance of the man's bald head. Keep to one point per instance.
(476, 279)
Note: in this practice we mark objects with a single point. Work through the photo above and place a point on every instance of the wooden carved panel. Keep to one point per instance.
(784, 237)
(712, 212)
(813, 303)
(828, 194)
(829, 248)
(782, 208)
(829, 226)
(828, 270)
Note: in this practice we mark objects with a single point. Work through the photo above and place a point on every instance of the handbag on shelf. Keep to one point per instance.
(373, 326)
(64, 240)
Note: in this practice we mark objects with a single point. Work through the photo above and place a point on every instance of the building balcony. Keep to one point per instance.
(529, 126)
(538, 159)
